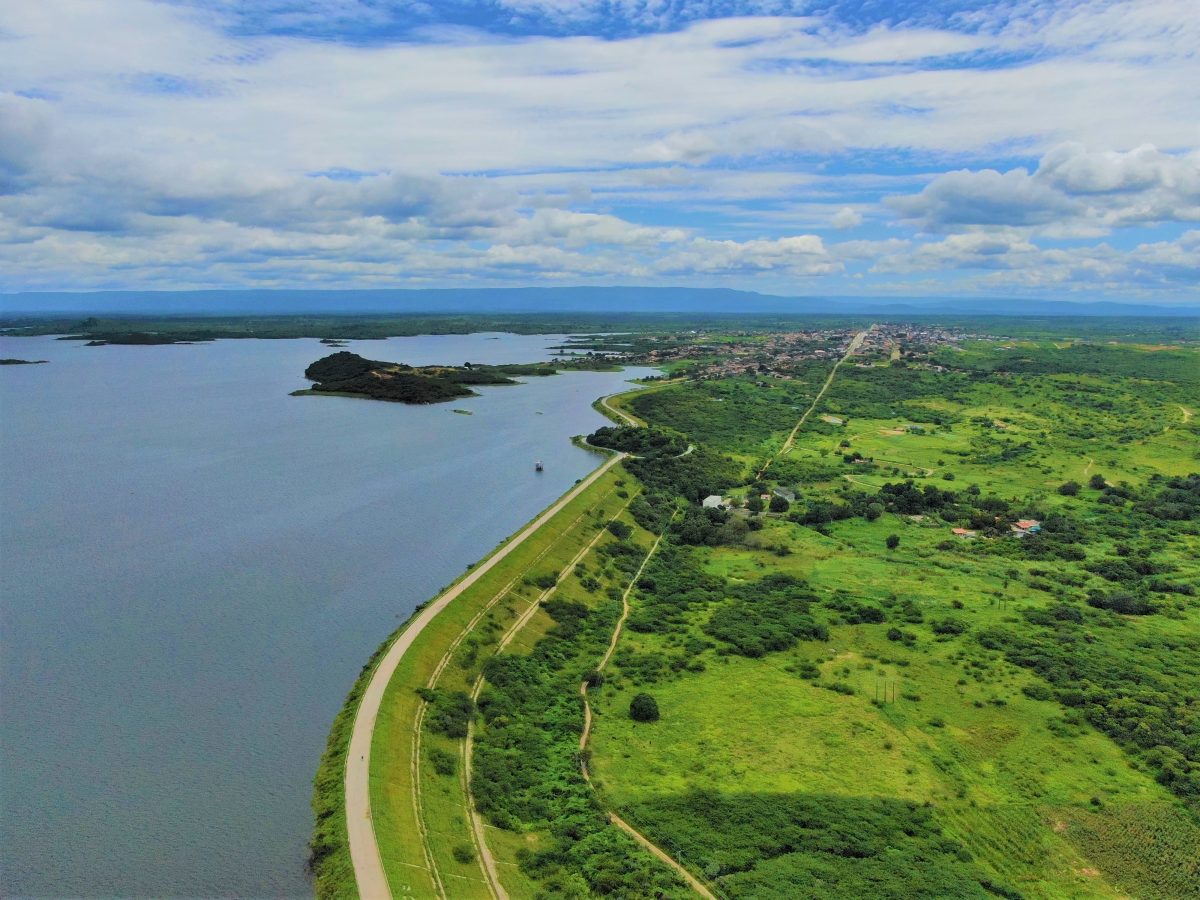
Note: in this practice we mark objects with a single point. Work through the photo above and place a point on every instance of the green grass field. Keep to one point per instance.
(1039, 801)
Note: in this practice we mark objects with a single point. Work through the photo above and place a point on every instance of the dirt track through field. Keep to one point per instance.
(791, 438)
(487, 860)
(369, 873)
(692, 881)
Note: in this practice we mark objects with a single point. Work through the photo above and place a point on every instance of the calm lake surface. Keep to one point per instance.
(193, 568)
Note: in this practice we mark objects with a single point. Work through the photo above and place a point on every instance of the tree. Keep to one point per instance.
(643, 708)
(893, 541)
(873, 511)
(779, 504)
(1097, 482)
(1069, 488)
(620, 529)
(755, 504)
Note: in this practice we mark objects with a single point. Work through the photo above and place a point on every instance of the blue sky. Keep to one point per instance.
(1021, 148)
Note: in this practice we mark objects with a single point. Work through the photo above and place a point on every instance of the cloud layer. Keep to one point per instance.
(806, 148)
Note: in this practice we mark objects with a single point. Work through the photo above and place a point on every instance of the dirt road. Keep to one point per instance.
(791, 438)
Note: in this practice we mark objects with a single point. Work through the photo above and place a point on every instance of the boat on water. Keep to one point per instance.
(537, 466)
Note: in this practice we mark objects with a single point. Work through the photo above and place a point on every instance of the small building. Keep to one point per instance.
(787, 495)
(963, 532)
(713, 501)
(1022, 527)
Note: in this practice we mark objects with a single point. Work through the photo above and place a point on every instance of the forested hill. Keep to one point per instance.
(348, 373)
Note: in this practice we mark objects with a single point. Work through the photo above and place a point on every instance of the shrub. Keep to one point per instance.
(1097, 482)
(1037, 691)
(839, 687)
(545, 581)
(1069, 488)
(643, 708)
(620, 529)
(948, 626)
(1124, 602)
(808, 670)
(463, 854)
(444, 762)
(893, 541)
(779, 504)
(449, 713)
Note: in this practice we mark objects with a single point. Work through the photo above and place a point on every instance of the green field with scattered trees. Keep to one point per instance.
(946, 645)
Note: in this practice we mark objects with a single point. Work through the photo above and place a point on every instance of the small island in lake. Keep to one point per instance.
(134, 338)
(348, 374)
(22, 362)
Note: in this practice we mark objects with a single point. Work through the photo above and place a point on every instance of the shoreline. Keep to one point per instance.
(344, 838)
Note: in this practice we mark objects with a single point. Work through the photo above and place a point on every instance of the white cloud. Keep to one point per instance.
(139, 144)
(846, 218)
(798, 255)
(1012, 261)
(1071, 186)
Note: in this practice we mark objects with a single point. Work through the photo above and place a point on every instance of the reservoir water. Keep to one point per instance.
(193, 568)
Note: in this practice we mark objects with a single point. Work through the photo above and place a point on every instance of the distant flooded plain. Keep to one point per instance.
(193, 568)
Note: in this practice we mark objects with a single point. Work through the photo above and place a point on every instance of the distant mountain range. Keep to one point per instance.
(546, 300)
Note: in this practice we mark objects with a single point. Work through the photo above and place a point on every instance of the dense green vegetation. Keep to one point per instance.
(648, 443)
(526, 775)
(786, 845)
(744, 416)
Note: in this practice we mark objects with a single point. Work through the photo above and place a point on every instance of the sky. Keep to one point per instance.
(1028, 148)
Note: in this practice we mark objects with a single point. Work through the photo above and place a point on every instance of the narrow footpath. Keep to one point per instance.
(693, 882)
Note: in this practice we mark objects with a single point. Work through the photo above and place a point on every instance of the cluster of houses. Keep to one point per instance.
(1021, 528)
(716, 501)
(777, 351)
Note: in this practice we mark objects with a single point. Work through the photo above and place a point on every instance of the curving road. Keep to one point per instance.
(620, 413)
(364, 850)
